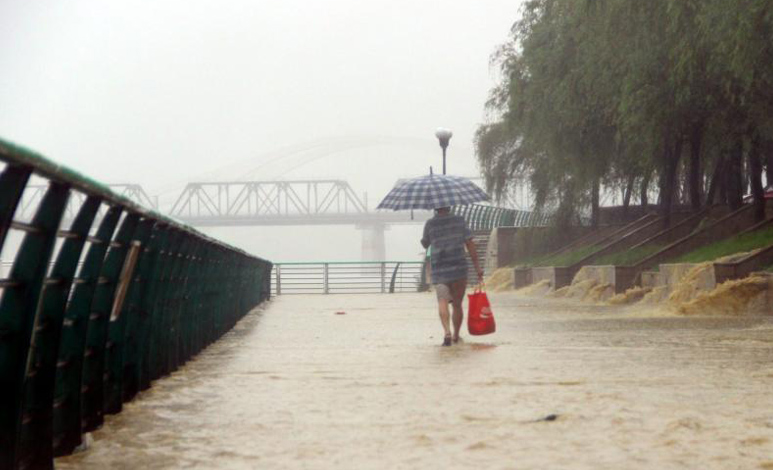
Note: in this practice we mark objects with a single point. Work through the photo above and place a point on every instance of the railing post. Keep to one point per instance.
(18, 308)
(13, 180)
(154, 279)
(463, 212)
(124, 317)
(325, 273)
(278, 277)
(67, 417)
(476, 212)
(93, 379)
(39, 390)
(394, 278)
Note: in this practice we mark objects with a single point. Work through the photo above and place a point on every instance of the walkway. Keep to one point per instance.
(297, 386)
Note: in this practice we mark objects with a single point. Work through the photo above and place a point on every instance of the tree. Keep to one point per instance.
(604, 93)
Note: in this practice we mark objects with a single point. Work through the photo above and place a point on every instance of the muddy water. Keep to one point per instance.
(296, 386)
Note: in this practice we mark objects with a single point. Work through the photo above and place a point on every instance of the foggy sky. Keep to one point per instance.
(164, 92)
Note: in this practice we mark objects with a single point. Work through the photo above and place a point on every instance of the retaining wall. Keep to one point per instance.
(756, 262)
(522, 277)
(557, 276)
(600, 274)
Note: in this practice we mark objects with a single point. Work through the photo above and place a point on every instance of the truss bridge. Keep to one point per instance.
(300, 202)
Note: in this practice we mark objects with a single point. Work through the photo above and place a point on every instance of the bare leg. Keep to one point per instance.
(444, 316)
(458, 318)
(457, 292)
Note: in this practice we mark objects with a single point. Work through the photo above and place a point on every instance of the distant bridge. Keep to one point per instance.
(289, 203)
(299, 202)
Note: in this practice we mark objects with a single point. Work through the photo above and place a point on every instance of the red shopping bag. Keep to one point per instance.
(480, 318)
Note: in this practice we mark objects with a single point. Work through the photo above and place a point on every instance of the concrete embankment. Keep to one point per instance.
(683, 288)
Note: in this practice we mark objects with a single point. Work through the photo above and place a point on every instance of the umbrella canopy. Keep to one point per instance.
(431, 192)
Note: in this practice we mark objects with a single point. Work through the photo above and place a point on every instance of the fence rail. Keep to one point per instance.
(92, 312)
(347, 277)
(480, 217)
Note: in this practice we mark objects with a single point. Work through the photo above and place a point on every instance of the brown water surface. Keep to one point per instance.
(297, 386)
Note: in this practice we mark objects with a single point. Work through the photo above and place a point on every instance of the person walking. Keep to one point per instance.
(447, 235)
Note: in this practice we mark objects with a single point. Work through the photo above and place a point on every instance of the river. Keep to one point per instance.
(296, 385)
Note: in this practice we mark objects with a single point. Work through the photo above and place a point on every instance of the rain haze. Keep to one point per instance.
(165, 93)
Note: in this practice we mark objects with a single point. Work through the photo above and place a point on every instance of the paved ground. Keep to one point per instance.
(297, 386)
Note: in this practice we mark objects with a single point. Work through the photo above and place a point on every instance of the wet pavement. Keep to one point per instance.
(296, 386)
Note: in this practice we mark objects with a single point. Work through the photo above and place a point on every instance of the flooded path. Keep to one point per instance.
(297, 386)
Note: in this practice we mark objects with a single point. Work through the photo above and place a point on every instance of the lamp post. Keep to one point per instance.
(443, 135)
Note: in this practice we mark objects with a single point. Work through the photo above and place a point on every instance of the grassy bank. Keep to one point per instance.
(628, 257)
(737, 244)
(562, 259)
(568, 258)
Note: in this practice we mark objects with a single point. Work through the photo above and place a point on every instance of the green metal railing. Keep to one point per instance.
(92, 313)
(480, 217)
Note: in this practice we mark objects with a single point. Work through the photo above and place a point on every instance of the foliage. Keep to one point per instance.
(599, 93)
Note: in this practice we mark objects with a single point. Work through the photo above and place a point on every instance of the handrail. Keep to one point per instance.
(125, 297)
(347, 277)
(285, 263)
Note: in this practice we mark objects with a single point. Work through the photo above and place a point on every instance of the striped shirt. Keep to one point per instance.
(446, 236)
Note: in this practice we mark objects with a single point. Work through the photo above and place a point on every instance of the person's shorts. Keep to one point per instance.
(451, 290)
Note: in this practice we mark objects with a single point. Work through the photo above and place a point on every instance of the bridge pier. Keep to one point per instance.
(373, 246)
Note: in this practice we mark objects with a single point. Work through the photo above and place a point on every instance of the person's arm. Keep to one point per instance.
(474, 255)
(425, 242)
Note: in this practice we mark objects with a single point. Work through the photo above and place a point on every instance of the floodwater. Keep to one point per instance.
(296, 386)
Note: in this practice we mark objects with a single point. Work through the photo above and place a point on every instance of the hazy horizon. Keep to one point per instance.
(169, 92)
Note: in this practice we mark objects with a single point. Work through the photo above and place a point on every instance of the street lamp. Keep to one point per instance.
(443, 135)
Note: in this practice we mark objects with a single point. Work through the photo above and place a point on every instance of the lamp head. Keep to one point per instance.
(443, 135)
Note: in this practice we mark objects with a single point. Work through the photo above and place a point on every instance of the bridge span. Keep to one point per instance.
(277, 203)
(289, 203)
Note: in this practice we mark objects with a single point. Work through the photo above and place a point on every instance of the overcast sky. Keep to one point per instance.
(166, 91)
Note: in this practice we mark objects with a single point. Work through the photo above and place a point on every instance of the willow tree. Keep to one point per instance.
(612, 91)
(742, 60)
(556, 127)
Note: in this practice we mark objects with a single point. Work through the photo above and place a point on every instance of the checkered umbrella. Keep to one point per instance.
(431, 192)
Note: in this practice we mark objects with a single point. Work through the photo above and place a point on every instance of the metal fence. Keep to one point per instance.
(347, 277)
(480, 217)
(92, 312)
